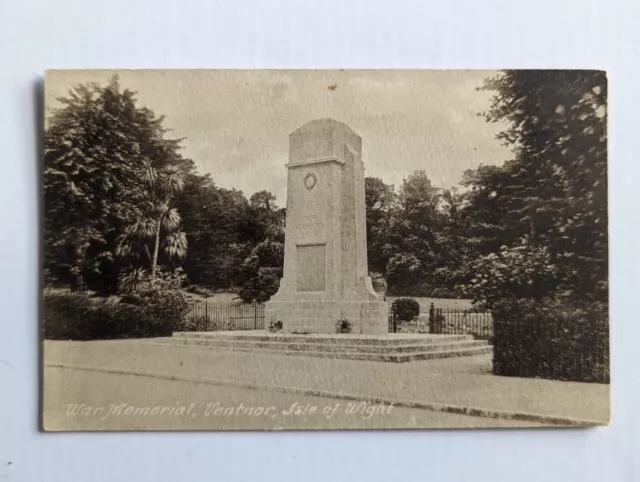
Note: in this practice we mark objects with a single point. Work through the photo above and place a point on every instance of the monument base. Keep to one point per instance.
(366, 317)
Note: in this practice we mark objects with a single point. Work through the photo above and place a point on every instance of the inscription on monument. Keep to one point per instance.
(325, 254)
(311, 226)
(311, 267)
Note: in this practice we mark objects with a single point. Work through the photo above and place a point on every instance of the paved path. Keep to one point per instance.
(125, 402)
(464, 381)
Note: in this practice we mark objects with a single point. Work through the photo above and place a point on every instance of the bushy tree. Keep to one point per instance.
(380, 204)
(415, 244)
(262, 271)
(213, 219)
(555, 189)
(521, 271)
(406, 309)
(96, 148)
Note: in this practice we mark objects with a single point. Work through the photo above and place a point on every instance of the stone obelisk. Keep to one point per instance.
(325, 256)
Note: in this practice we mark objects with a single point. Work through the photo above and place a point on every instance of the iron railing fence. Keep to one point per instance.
(552, 349)
(210, 316)
(447, 321)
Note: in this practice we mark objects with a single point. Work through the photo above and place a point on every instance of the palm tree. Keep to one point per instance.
(161, 219)
(132, 281)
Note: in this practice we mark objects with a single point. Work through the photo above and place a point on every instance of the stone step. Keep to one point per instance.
(388, 340)
(380, 357)
(428, 355)
(446, 344)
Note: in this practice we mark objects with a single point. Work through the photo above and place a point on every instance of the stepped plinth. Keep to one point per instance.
(390, 347)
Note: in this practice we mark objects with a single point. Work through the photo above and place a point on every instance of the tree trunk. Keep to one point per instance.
(145, 249)
(156, 248)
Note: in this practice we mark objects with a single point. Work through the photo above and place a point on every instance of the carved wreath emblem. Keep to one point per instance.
(310, 181)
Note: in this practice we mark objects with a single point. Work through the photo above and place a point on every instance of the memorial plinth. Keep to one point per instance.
(325, 256)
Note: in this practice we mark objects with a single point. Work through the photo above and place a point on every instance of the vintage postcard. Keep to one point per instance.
(325, 249)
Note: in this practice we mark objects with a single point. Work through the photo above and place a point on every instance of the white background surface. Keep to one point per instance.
(36, 35)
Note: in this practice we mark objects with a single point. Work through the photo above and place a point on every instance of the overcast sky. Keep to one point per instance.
(237, 123)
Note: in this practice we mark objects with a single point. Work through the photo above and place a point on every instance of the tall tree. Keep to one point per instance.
(415, 236)
(159, 218)
(96, 146)
(554, 191)
(380, 203)
(214, 220)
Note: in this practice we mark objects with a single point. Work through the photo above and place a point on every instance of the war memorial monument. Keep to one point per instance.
(325, 255)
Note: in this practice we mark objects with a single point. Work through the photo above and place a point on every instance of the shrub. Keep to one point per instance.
(262, 271)
(63, 315)
(117, 321)
(198, 323)
(344, 325)
(274, 325)
(551, 338)
(132, 299)
(76, 316)
(167, 311)
(262, 286)
(406, 309)
(521, 271)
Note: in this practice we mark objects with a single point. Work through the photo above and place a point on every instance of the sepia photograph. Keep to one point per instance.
(324, 249)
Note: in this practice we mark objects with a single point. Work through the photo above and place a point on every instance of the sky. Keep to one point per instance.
(236, 123)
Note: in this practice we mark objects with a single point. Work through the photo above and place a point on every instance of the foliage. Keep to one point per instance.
(77, 316)
(380, 204)
(554, 191)
(197, 323)
(539, 224)
(274, 325)
(166, 310)
(552, 338)
(140, 280)
(133, 280)
(343, 325)
(421, 237)
(98, 147)
(215, 221)
(63, 313)
(406, 309)
(162, 181)
(521, 271)
(413, 233)
(223, 228)
(262, 271)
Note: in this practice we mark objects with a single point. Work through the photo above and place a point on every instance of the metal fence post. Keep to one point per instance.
(432, 318)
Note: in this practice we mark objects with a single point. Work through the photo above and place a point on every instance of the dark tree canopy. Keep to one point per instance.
(554, 191)
(96, 147)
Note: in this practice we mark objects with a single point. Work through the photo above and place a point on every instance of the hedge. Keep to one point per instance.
(76, 316)
(552, 339)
